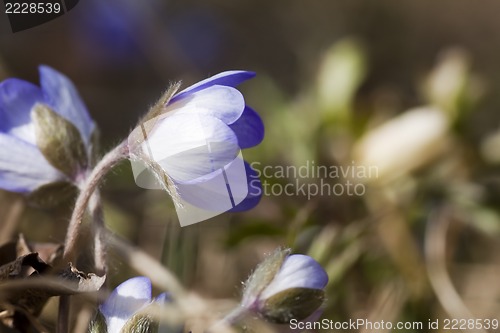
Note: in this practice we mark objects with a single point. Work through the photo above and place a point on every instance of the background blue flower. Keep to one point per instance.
(23, 167)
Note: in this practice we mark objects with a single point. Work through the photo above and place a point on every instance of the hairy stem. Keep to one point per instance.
(88, 198)
(88, 189)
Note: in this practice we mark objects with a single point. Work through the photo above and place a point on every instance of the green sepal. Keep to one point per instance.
(98, 325)
(140, 323)
(148, 122)
(265, 272)
(158, 108)
(293, 303)
(52, 195)
(59, 141)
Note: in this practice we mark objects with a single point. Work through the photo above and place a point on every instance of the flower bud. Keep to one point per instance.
(285, 287)
(126, 310)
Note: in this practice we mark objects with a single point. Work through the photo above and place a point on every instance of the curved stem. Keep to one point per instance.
(88, 198)
(435, 252)
(96, 211)
(147, 265)
(88, 188)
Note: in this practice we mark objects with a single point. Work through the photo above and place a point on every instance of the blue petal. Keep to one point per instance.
(229, 78)
(61, 95)
(22, 167)
(254, 191)
(128, 298)
(249, 128)
(17, 97)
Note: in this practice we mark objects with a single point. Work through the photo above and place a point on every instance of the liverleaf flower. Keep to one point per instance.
(190, 144)
(46, 134)
(124, 310)
(285, 287)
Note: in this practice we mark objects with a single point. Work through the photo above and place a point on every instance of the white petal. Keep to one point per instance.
(189, 146)
(224, 103)
(128, 298)
(297, 271)
(23, 167)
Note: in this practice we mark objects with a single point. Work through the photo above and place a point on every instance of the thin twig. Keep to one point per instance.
(147, 265)
(96, 211)
(63, 314)
(435, 253)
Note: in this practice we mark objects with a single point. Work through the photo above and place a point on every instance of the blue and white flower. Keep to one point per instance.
(285, 287)
(123, 311)
(24, 166)
(196, 141)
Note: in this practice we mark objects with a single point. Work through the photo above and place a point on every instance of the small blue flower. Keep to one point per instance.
(23, 166)
(285, 287)
(297, 271)
(197, 141)
(126, 301)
